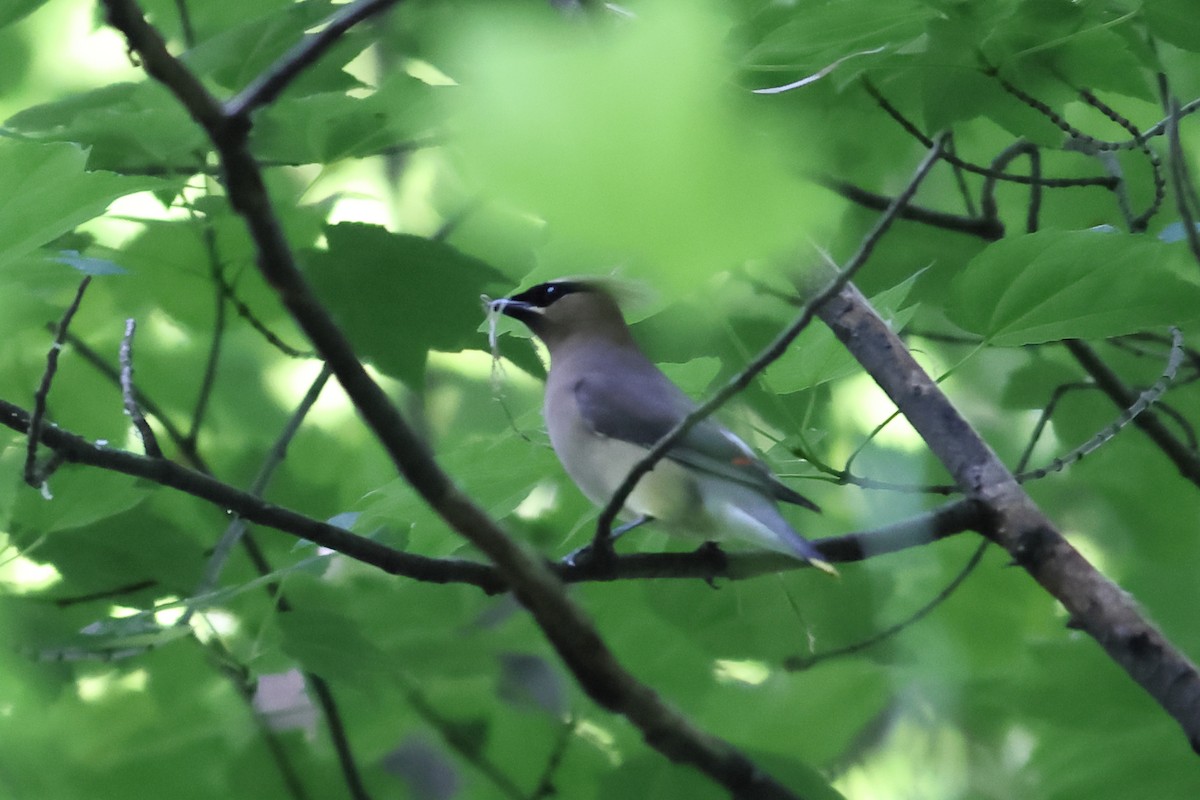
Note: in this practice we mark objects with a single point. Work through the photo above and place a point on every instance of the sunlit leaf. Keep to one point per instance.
(46, 191)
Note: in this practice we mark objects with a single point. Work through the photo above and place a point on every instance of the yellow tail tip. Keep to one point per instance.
(824, 566)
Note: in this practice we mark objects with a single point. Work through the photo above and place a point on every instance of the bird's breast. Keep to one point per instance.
(598, 464)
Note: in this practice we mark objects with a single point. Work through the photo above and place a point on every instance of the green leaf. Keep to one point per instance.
(816, 35)
(45, 191)
(330, 644)
(379, 283)
(78, 497)
(1055, 285)
(125, 125)
(14, 10)
(236, 56)
(1030, 385)
(1174, 21)
(327, 127)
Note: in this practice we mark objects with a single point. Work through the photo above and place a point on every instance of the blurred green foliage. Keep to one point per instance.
(454, 148)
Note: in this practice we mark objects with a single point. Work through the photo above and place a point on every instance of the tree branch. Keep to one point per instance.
(129, 395)
(953, 518)
(987, 229)
(76, 449)
(1107, 182)
(1096, 605)
(33, 476)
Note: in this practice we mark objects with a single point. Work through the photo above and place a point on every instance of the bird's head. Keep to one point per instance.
(560, 309)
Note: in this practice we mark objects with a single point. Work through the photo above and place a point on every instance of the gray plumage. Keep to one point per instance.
(606, 405)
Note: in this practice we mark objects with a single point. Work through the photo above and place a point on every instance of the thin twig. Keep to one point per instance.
(987, 229)
(106, 594)
(545, 785)
(601, 542)
(1128, 414)
(1187, 460)
(960, 180)
(209, 379)
(797, 663)
(1160, 127)
(185, 24)
(237, 527)
(1185, 426)
(451, 733)
(143, 400)
(951, 519)
(1180, 180)
(1104, 151)
(33, 476)
(245, 312)
(1138, 223)
(988, 195)
(76, 449)
(1048, 410)
(243, 680)
(916, 133)
(129, 394)
(337, 733)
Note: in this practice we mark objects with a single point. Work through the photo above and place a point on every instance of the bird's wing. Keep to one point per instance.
(643, 406)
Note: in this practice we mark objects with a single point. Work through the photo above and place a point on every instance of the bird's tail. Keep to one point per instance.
(806, 550)
(775, 532)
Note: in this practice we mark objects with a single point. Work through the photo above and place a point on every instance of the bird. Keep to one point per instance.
(606, 405)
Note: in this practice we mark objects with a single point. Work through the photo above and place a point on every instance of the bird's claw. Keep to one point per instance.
(599, 553)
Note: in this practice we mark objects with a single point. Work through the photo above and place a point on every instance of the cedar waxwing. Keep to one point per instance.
(607, 404)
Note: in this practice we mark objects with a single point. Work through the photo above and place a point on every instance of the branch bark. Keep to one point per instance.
(1096, 605)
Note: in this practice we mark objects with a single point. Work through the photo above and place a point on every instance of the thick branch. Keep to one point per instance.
(1096, 605)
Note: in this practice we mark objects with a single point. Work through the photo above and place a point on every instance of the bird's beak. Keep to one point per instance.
(517, 309)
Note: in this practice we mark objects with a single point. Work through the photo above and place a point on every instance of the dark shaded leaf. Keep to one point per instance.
(398, 296)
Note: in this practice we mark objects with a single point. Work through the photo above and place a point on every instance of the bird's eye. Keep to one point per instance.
(546, 294)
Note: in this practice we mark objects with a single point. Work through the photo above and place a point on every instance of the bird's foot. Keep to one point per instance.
(715, 557)
(599, 553)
